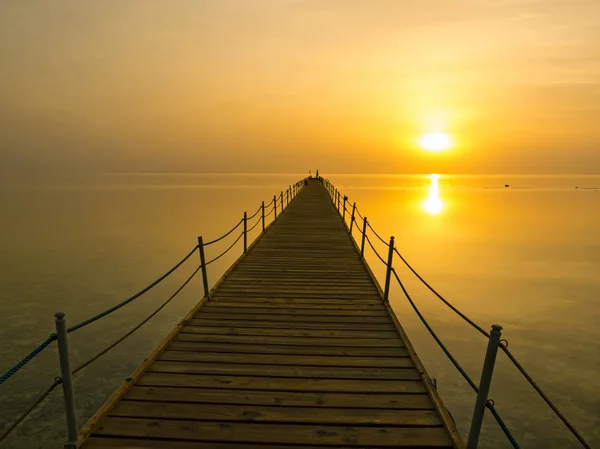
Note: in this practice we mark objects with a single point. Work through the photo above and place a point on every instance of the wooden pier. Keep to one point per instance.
(295, 348)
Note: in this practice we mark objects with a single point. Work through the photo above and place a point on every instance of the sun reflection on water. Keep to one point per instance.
(434, 204)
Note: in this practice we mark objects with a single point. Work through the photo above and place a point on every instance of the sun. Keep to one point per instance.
(435, 142)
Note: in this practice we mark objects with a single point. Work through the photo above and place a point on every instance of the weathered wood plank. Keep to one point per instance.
(99, 441)
(310, 304)
(182, 345)
(249, 413)
(290, 317)
(293, 360)
(276, 433)
(267, 302)
(292, 341)
(300, 311)
(290, 325)
(282, 383)
(312, 372)
(309, 333)
(281, 398)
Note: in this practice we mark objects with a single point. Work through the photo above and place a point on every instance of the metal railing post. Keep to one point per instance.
(344, 212)
(352, 218)
(484, 386)
(245, 231)
(275, 206)
(364, 235)
(203, 265)
(388, 272)
(67, 381)
(263, 216)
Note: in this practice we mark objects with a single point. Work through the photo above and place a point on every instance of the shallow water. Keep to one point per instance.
(526, 256)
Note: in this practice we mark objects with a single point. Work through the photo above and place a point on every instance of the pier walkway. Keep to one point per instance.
(294, 348)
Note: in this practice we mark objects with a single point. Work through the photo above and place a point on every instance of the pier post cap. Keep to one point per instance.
(496, 328)
(59, 315)
(392, 237)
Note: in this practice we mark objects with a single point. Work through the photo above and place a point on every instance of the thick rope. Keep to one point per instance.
(31, 408)
(137, 295)
(512, 358)
(255, 214)
(226, 251)
(225, 235)
(148, 318)
(543, 395)
(7, 375)
(359, 214)
(490, 405)
(255, 225)
(434, 335)
(458, 312)
(377, 235)
(96, 357)
(375, 251)
(270, 212)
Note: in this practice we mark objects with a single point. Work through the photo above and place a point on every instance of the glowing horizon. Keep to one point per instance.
(266, 86)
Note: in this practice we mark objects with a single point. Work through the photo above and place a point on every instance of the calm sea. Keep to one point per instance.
(525, 256)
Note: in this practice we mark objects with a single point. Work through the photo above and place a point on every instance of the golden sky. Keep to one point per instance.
(291, 85)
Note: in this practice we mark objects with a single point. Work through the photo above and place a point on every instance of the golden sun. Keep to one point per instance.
(435, 142)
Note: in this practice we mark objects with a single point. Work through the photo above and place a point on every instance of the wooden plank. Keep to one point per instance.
(312, 372)
(253, 413)
(302, 318)
(289, 325)
(241, 304)
(299, 311)
(435, 437)
(266, 302)
(281, 383)
(308, 333)
(292, 341)
(281, 398)
(182, 345)
(293, 360)
(143, 443)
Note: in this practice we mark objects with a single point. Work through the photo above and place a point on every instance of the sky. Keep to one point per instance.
(346, 86)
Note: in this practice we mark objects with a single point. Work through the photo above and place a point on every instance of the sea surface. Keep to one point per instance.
(521, 251)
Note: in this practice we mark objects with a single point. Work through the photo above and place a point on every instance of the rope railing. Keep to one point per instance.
(226, 251)
(130, 299)
(458, 312)
(144, 321)
(12, 371)
(501, 344)
(490, 403)
(255, 213)
(61, 334)
(58, 380)
(375, 251)
(255, 225)
(32, 407)
(377, 235)
(225, 235)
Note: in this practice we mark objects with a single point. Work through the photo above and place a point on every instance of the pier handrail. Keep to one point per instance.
(501, 344)
(291, 192)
